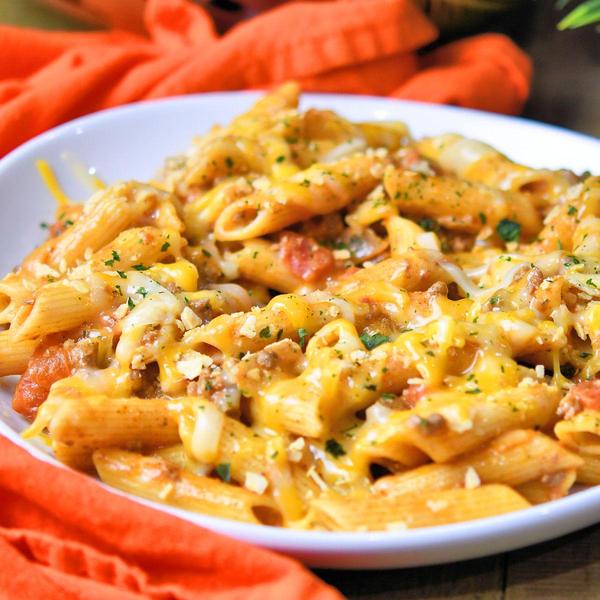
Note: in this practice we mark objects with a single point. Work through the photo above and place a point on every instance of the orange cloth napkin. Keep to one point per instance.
(355, 46)
(62, 537)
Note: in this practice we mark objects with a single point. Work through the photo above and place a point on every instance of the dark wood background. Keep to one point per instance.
(565, 92)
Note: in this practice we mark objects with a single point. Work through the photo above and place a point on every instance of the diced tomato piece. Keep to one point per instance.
(413, 393)
(305, 257)
(47, 365)
(587, 393)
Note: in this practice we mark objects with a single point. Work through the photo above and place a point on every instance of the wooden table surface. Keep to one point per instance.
(566, 92)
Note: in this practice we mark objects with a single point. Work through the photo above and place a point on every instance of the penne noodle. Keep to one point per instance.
(514, 458)
(259, 261)
(409, 511)
(456, 204)
(478, 162)
(319, 190)
(55, 307)
(15, 354)
(589, 472)
(156, 479)
(582, 432)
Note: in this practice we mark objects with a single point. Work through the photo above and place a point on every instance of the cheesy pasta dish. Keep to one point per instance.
(320, 324)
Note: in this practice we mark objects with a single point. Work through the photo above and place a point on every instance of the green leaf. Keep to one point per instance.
(224, 471)
(373, 340)
(302, 334)
(334, 448)
(585, 14)
(509, 230)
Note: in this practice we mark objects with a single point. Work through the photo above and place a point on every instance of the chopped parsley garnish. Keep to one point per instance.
(142, 291)
(140, 267)
(482, 218)
(370, 386)
(68, 223)
(571, 211)
(206, 253)
(591, 283)
(494, 300)
(302, 334)
(229, 162)
(224, 471)
(429, 224)
(265, 332)
(572, 260)
(121, 274)
(280, 159)
(373, 340)
(115, 258)
(473, 391)
(130, 303)
(387, 396)
(509, 230)
(44, 225)
(334, 448)
(585, 354)
(165, 247)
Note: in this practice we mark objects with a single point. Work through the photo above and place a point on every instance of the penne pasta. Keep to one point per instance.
(409, 511)
(315, 323)
(156, 479)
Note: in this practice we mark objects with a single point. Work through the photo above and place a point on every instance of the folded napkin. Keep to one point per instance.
(355, 46)
(62, 537)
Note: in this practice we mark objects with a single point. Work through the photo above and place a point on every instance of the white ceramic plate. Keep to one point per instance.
(132, 141)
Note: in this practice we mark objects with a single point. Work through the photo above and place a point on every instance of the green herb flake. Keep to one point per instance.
(130, 303)
(229, 162)
(494, 300)
(429, 224)
(508, 230)
(571, 210)
(165, 247)
(302, 335)
(121, 274)
(373, 340)
(265, 332)
(142, 291)
(223, 470)
(140, 267)
(334, 448)
(206, 253)
(387, 396)
(280, 159)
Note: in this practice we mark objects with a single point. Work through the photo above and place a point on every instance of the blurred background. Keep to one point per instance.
(566, 85)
